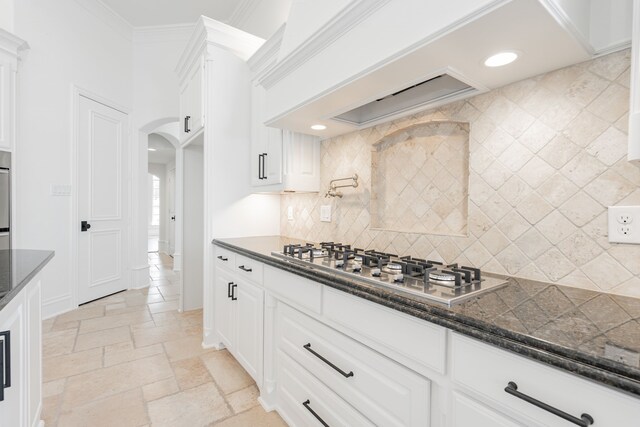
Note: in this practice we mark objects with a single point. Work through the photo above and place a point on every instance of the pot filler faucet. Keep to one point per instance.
(333, 186)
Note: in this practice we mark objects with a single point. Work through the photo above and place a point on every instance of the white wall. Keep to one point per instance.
(193, 227)
(6, 15)
(170, 197)
(155, 102)
(69, 46)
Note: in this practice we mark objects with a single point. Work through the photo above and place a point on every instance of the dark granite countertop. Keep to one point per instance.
(592, 334)
(17, 268)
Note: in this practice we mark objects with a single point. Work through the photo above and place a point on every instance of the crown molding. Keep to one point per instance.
(242, 12)
(209, 32)
(267, 55)
(12, 44)
(356, 12)
(163, 33)
(107, 15)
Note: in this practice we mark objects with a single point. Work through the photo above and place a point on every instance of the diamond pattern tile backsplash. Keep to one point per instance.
(547, 155)
(420, 179)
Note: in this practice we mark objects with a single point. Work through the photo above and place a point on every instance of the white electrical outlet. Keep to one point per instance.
(290, 213)
(624, 224)
(325, 213)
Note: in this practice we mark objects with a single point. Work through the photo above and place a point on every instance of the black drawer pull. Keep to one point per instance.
(221, 258)
(343, 373)
(585, 420)
(233, 292)
(5, 363)
(307, 405)
(242, 267)
(229, 289)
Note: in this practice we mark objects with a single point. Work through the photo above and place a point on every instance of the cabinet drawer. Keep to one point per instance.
(225, 258)
(386, 392)
(466, 412)
(299, 393)
(487, 370)
(295, 289)
(248, 268)
(404, 338)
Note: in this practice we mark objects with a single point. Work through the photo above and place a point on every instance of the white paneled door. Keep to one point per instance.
(102, 200)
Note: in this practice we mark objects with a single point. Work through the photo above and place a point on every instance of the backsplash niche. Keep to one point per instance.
(420, 179)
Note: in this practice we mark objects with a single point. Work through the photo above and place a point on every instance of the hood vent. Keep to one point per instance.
(429, 92)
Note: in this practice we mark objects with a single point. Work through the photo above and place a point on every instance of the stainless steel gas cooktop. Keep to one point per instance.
(447, 284)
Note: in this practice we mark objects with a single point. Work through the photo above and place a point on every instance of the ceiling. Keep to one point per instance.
(259, 17)
(164, 152)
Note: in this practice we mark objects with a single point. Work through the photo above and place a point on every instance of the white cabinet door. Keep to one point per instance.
(272, 157)
(248, 345)
(225, 312)
(6, 105)
(196, 88)
(191, 102)
(14, 406)
(301, 162)
(34, 354)
(266, 144)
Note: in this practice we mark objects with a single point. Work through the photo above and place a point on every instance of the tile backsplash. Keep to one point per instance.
(547, 155)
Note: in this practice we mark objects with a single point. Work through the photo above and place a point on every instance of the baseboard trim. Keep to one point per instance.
(177, 262)
(266, 406)
(140, 277)
(56, 306)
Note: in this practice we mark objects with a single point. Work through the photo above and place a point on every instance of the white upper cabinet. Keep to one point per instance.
(191, 101)
(10, 47)
(280, 160)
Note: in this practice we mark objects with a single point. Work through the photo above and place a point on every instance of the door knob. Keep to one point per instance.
(84, 226)
(173, 218)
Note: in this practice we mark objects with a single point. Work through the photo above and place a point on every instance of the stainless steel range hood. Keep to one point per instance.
(420, 95)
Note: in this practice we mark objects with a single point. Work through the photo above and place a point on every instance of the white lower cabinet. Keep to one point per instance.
(387, 393)
(22, 400)
(305, 401)
(467, 412)
(560, 390)
(329, 358)
(239, 320)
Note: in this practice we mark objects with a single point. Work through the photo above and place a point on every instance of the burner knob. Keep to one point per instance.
(357, 268)
(339, 263)
(398, 277)
(375, 272)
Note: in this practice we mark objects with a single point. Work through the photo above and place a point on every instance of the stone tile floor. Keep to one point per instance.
(132, 359)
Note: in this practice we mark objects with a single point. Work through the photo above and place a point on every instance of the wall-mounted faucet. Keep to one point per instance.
(333, 187)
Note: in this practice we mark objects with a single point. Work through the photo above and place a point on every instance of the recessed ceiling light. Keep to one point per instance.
(318, 127)
(152, 149)
(500, 59)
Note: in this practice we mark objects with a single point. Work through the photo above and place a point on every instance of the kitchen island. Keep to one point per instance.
(21, 336)
(555, 337)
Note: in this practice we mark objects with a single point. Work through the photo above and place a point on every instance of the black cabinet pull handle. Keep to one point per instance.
(585, 420)
(221, 258)
(5, 362)
(186, 124)
(307, 405)
(242, 267)
(319, 356)
(229, 289)
(260, 166)
(84, 226)
(264, 165)
(233, 292)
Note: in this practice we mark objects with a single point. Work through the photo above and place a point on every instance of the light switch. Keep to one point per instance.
(325, 213)
(624, 224)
